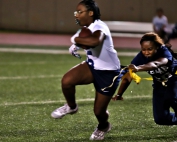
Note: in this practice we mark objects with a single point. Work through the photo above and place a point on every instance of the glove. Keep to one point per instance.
(73, 51)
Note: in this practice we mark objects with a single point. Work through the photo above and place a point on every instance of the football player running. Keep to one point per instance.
(102, 67)
(161, 63)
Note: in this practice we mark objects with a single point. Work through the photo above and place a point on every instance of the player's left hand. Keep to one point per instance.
(117, 97)
(73, 50)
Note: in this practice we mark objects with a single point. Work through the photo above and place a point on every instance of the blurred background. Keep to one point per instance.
(56, 16)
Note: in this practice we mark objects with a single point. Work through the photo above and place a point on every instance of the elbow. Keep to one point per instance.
(154, 67)
(161, 62)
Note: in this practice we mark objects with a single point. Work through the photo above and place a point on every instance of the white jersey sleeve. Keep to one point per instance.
(104, 56)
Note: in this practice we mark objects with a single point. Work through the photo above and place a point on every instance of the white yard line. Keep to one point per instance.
(34, 62)
(63, 101)
(53, 51)
(43, 51)
(26, 63)
(28, 77)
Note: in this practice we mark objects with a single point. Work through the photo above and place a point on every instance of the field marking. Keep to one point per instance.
(54, 51)
(63, 101)
(33, 62)
(26, 63)
(28, 77)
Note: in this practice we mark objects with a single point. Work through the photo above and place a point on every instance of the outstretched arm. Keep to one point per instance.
(149, 66)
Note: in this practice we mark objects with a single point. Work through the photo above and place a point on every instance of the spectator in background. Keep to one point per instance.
(172, 34)
(160, 24)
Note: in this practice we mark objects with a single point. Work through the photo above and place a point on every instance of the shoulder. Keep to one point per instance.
(155, 18)
(139, 59)
(163, 48)
(164, 52)
(164, 17)
(98, 25)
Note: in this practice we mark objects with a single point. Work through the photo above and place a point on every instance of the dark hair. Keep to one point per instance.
(159, 10)
(157, 41)
(91, 5)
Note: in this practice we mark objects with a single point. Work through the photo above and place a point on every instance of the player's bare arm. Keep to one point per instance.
(149, 66)
(93, 40)
(123, 86)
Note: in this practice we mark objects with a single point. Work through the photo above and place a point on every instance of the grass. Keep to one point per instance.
(30, 90)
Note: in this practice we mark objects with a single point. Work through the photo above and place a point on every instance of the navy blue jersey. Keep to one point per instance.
(162, 73)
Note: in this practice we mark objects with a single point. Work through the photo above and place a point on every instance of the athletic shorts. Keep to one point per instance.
(106, 81)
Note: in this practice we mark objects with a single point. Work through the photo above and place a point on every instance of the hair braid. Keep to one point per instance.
(92, 6)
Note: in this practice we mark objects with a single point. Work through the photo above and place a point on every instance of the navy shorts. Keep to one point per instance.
(106, 81)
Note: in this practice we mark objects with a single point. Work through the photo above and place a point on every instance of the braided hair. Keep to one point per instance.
(151, 36)
(91, 5)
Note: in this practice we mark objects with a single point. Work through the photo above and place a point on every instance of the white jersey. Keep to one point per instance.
(160, 22)
(103, 56)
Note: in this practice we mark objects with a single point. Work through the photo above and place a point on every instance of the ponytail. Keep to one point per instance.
(169, 46)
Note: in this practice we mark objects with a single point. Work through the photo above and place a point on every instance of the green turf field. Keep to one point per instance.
(30, 90)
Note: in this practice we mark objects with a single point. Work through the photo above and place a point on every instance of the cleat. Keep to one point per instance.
(99, 134)
(62, 111)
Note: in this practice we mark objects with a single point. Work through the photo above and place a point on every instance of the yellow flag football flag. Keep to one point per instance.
(137, 78)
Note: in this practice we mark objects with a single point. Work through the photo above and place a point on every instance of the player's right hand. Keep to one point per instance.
(73, 50)
(117, 97)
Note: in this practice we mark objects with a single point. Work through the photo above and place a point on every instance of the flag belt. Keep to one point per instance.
(137, 78)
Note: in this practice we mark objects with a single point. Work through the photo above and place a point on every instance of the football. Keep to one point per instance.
(85, 32)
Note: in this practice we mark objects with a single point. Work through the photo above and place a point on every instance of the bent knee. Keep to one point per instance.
(66, 82)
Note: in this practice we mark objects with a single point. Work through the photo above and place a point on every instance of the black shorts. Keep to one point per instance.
(106, 81)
